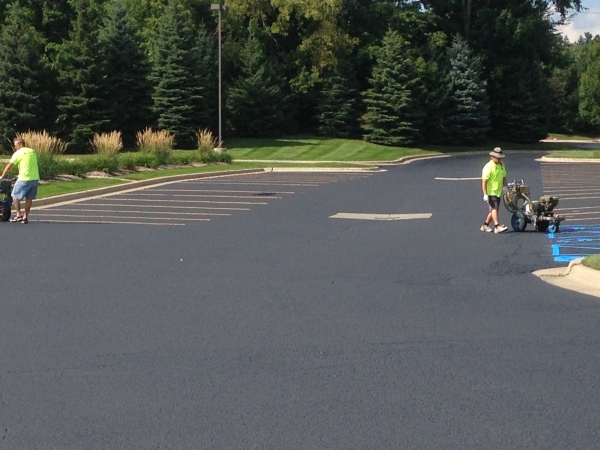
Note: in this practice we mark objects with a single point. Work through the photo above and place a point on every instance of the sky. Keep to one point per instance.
(584, 21)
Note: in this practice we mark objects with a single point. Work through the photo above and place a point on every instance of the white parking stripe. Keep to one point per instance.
(49, 214)
(111, 222)
(358, 216)
(457, 179)
(140, 212)
(149, 194)
(120, 199)
(172, 207)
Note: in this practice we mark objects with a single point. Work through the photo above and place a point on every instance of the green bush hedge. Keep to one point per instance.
(50, 166)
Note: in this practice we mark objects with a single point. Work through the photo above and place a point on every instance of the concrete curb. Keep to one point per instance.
(324, 169)
(134, 185)
(549, 159)
(576, 277)
(559, 271)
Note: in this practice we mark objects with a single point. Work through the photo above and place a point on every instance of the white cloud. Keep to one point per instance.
(588, 21)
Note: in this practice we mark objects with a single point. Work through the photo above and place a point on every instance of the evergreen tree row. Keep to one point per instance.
(395, 73)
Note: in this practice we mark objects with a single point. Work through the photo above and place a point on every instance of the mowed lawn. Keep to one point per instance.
(316, 149)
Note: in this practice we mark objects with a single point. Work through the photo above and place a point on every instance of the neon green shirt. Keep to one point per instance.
(26, 160)
(494, 174)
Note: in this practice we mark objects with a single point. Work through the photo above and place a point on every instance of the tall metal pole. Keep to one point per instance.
(220, 8)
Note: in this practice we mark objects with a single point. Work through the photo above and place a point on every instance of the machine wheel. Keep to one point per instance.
(5, 215)
(518, 221)
(542, 225)
(554, 227)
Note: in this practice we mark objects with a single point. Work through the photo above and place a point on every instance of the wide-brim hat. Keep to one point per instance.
(497, 152)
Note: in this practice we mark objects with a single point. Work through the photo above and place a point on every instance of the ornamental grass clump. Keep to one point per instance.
(43, 143)
(206, 141)
(107, 145)
(158, 143)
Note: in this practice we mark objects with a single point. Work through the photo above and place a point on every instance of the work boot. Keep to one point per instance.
(500, 229)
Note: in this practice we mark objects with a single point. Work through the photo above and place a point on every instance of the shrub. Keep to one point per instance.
(215, 157)
(48, 166)
(107, 145)
(158, 143)
(43, 142)
(184, 159)
(77, 167)
(131, 161)
(101, 163)
(128, 161)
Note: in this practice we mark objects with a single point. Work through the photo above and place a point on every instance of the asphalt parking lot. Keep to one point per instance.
(313, 311)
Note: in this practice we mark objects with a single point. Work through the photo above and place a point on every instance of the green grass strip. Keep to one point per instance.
(67, 187)
(577, 154)
(592, 261)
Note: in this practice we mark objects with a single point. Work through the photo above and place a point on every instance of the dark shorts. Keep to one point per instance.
(493, 202)
(25, 189)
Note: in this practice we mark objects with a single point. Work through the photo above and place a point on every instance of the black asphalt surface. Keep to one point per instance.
(277, 327)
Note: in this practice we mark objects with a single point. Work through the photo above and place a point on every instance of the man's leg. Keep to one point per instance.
(17, 204)
(28, 203)
(494, 217)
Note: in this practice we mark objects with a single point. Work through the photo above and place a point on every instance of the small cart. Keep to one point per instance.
(6, 199)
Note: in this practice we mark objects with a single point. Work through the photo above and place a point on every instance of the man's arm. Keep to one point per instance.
(7, 169)
(484, 186)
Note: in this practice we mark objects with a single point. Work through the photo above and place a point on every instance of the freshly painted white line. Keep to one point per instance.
(585, 218)
(358, 216)
(95, 222)
(124, 199)
(137, 212)
(167, 206)
(152, 194)
(457, 179)
(48, 214)
(223, 190)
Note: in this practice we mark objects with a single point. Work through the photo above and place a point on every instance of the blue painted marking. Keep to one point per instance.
(575, 242)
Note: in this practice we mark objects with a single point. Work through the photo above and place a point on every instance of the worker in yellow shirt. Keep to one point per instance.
(493, 181)
(26, 186)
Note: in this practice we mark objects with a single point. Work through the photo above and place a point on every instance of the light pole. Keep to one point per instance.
(221, 8)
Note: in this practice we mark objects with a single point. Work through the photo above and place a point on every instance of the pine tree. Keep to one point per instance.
(436, 96)
(21, 70)
(206, 112)
(81, 73)
(178, 84)
(468, 120)
(589, 86)
(337, 107)
(126, 89)
(392, 116)
(520, 112)
(255, 100)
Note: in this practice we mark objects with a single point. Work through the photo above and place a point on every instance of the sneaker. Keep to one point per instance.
(486, 228)
(17, 219)
(24, 220)
(500, 229)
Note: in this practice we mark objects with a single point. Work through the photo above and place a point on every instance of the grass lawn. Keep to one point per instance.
(577, 154)
(592, 261)
(573, 137)
(317, 149)
(66, 187)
